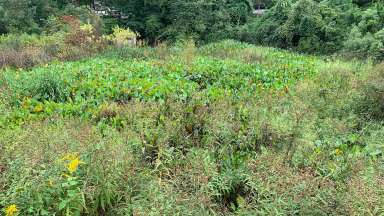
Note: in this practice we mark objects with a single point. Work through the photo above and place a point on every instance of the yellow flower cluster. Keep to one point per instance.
(73, 162)
(122, 37)
(50, 183)
(338, 152)
(11, 210)
(87, 28)
(38, 108)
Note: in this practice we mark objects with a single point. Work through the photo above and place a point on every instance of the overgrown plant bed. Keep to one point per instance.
(225, 129)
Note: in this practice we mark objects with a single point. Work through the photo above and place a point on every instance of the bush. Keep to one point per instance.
(231, 187)
(268, 29)
(21, 51)
(365, 45)
(25, 51)
(320, 27)
(306, 25)
(23, 59)
(122, 37)
(370, 101)
(41, 86)
(373, 136)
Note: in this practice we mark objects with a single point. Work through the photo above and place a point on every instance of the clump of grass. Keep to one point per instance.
(369, 103)
(42, 86)
(25, 58)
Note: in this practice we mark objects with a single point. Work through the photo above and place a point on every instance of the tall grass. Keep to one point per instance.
(193, 131)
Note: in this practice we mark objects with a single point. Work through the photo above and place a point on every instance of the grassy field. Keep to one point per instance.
(224, 129)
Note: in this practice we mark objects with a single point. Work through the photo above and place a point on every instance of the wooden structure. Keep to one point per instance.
(103, 11)
(258, 9)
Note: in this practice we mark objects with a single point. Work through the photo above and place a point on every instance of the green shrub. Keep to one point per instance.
(122, 37)
(73, 41)
(25, 51)
(41, 86)
(26, 58)
(231, 187)
(373, 134)
(370, 101)
(364, 46)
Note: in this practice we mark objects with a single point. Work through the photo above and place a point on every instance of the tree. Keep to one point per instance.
(18, 16)
(268, 29)
(172, 19)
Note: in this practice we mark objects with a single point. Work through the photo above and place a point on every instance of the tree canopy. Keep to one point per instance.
(354, 27)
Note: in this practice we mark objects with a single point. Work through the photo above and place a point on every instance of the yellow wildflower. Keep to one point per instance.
(73, 161)
(73, 165)
(87, 28)
(338, 152)
(38, 108)
(50, 182)
(11, 210)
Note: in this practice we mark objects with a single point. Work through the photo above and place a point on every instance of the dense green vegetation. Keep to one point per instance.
(223, 129)
(353, 29)
(192, 107)
(325, 27)
(34, 16)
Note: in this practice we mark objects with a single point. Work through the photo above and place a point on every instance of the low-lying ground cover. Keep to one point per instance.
(224, 129)
(79, 88)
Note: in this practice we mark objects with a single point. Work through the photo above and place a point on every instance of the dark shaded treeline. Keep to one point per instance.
(354, 28)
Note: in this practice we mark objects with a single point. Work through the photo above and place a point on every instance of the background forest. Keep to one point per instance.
(352, 28)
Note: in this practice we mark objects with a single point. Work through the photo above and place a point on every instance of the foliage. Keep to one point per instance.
(306, 25)
(41, 86)
(370, 100)
(321, 27)
(228, 129)
(33, 16)
(170, 20)
(122, 37)
(353, 29)
(75, 41)
(366, 39)
(18, 16)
